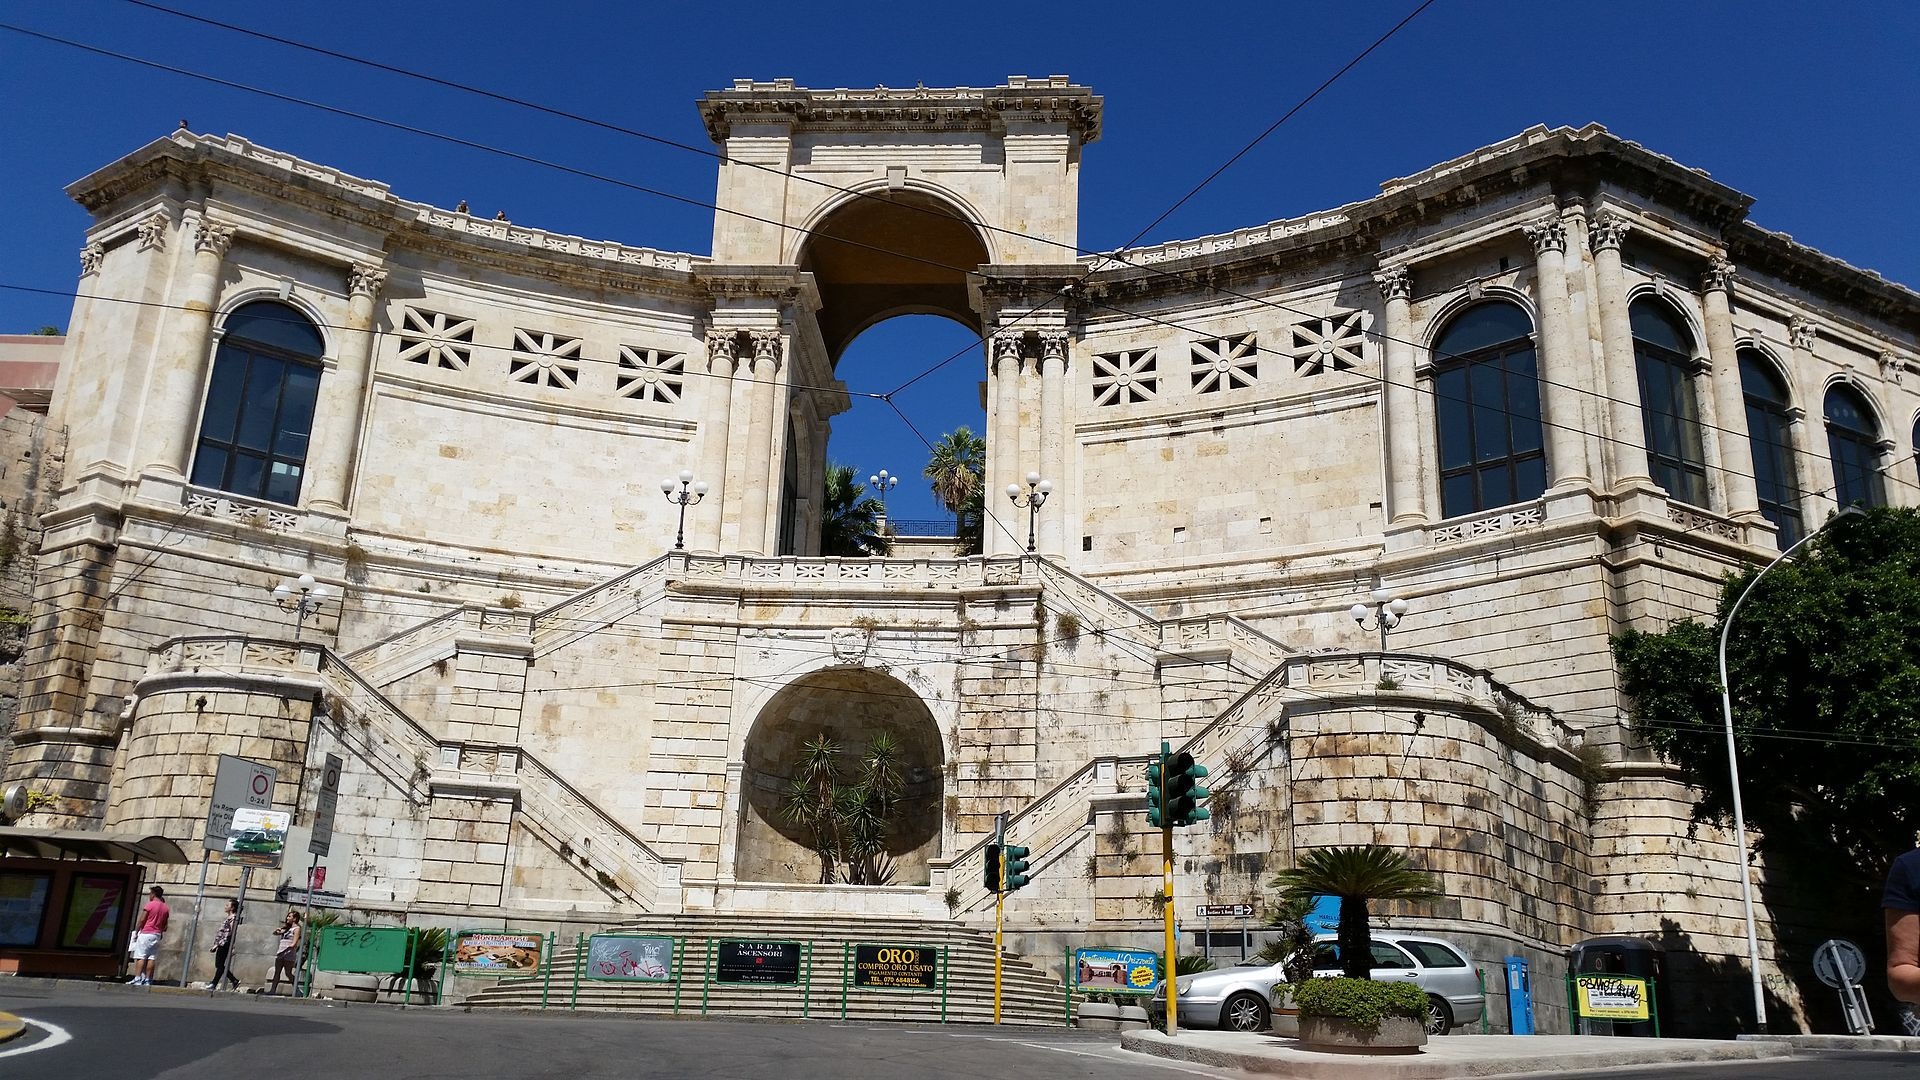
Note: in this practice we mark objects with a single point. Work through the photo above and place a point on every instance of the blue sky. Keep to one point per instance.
(1811, 109)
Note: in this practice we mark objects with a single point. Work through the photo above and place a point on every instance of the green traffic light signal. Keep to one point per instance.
(1183, 793)
(1156, 795)
(1016, 866)
(991, 879)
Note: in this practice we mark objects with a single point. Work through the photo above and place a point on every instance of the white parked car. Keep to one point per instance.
(1241, 998)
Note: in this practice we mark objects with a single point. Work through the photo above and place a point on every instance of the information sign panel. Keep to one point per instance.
(1116, 971)
(1610, 997)
(496, 953)
(364, 949)
(776, 962)
(322, 840)
(1224, 911)
(896, 967)
(237, 782)
(629, 958)
(258, 837)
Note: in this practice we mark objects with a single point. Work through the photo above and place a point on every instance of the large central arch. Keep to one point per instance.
(891, 252)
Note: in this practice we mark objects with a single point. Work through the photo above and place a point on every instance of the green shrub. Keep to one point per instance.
(1359, 1001)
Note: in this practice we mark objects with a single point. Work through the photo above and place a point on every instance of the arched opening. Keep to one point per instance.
(852, 708)
(1853, 442)
(1663, 352)
(1486, 391)
(259, 407)
(891, 253)
(1770, 431)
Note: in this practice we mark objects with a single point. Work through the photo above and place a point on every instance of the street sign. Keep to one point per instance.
(317, 898)
(1839, 963)
(322, 841)
(257, 839)
(237, 783)
(1225, 911)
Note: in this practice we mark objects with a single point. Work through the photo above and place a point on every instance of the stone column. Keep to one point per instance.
(1563, 382)
(173, 404)
(758, 489)
(711, 463)
(1003, 449)
(1729, 428)
(1053, 437)
(340, 408)
(1405, 455)
(1627, 434)
(1812, 463)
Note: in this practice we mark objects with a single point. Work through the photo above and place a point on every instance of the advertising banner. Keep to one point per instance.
(629, 958)
(257, 837)
(896, 967)
(23, 903)
(503, 953)
(1610, 997)
(1116, 971)
(775, 962)
(93, 912)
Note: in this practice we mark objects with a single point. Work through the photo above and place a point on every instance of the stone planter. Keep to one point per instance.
(1285, 1019)
(1394, 1035)
(1133, 1018)
(1097, 1016)
(348, 987)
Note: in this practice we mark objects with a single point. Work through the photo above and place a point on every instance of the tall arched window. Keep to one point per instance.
(1853, 441)
(259, 414)
(1769, 430)
(1664, 354)
(1486, 392)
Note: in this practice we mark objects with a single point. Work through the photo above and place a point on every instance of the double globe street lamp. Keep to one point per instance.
(683, 491)
(1032, 499)
(311, 593)
(1386, 613)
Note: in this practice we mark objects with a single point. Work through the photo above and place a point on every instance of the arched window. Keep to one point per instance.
(1486, 392)
(1853, 442)
(1768, 429)
(1670, 411)
(259, 414)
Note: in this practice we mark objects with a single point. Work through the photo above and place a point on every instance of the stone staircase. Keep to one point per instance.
(1029, 996)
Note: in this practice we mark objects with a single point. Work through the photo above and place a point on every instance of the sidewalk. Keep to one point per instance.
(11, 1027)
(1446, 1057)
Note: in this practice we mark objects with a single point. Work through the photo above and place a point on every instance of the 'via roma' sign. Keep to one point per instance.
(896, 967)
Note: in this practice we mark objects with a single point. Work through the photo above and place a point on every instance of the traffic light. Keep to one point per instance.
(1016, 866)
(1156, 792)
(1183, 793)
(991, 879)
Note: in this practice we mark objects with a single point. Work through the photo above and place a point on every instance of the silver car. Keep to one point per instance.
(1241, 998)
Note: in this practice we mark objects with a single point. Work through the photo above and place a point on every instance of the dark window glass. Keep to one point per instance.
(1669, 408)
(1434, 955)
(1769, 430)
(259, 413)
(1325, 956)
(1386, 956)
(1853, 441)
(1487, 405)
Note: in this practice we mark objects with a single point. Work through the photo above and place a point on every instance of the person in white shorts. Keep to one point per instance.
(146, 940)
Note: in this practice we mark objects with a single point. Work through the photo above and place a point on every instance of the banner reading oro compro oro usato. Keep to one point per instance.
(496, 953)
(896, 967)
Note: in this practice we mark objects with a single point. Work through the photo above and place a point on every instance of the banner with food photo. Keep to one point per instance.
(504, 953)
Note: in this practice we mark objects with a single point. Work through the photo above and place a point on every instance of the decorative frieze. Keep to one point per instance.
(435, 339)
(1487, 525)
(90, 257)
(245, 513)
(1693, 521)
(1335, 343)
(1125, 378)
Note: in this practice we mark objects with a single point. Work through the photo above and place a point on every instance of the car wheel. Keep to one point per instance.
(1439, 1016)
(1244, 1012)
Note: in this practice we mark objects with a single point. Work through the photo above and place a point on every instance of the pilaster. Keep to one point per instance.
(1404, 457)
(1564, 381)
(1625, 430)
(342, 401)
(1728, 425)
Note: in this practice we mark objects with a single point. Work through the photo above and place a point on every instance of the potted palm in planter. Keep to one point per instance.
(1353, 1012)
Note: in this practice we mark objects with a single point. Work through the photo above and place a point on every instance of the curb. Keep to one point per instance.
(11, 1027)
(1883, 1043)
(1286, 1060)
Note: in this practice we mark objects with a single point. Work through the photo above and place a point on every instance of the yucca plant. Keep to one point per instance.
(1356, 875)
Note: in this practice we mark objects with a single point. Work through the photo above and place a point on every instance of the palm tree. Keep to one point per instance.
(812, 800)
(1356, 875)
(957, 470)
(850, 521)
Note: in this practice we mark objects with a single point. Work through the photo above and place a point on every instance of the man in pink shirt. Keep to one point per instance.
(146, 940)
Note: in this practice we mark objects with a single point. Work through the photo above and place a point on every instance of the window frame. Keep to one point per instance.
(1684, 478)
(252, 356)
(1789, 522)
(1517, 468)
(1866, 441)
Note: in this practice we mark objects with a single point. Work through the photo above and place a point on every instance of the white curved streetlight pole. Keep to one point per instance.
(1733, 769)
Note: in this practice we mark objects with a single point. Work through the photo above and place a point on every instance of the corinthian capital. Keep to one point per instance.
(1006, 350)
(365, 279)
(1547, 234)
(213, 236)
(1802, 332)
(1395, 283)
(1053, 345)
(1608, 231)
(766, 347)
(722, 345)
(1718, 276)
(153, 231)
(90, 257)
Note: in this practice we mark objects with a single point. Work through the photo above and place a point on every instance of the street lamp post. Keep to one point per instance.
(883, 482)
(1733, 768)
(683, 491)
(1033, 499)
(311, 594)
(1386, 613)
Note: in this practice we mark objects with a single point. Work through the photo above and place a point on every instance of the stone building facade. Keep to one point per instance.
(1545, 391)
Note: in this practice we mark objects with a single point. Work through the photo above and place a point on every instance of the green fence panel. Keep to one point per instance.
(365, 949)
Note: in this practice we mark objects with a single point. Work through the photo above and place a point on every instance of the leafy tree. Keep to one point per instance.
(850, 521)
(1824, 662)
(1356, 875)
(848, 813)
(957, 471)
(47, 331)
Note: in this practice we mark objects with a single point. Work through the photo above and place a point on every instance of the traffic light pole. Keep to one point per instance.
(1173, 995)
(999, 903)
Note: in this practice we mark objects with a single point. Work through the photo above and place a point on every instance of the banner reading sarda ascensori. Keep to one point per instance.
(896, 967)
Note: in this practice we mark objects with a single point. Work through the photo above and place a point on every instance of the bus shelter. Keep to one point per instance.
(68, 898)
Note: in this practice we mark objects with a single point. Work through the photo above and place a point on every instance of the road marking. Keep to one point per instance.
(56, 1035)
(1116, 1054)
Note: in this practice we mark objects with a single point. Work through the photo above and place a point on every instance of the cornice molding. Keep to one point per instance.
(1053, 100)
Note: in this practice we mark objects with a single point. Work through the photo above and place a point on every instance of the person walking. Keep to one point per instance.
(223, 948)
(287, 958)
(146, 940)
(1901, 902)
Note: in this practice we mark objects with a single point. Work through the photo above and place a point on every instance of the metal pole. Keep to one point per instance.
(844, 946)
(579, 950)
(999, 906)
(306, 922)
(680, 536)
(1380, 616)
(193, 925)
(1173, 965)
(1733, 772)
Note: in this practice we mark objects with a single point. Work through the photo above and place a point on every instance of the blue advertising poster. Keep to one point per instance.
(1325, 916)
(1116, 971)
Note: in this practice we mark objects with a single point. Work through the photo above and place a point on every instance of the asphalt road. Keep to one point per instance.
(124, 1033)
